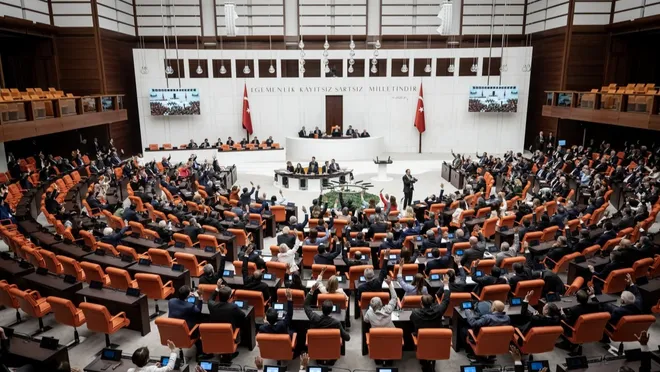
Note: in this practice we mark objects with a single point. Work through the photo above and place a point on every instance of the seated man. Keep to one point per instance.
(112, 238)
(180, 308)
(484, 316)
(141, 358)
(572, 314)
(273, 324)
(223, 311)
(431, 313)
(130, 214)
(486, 280)
(550, 316)
(373, 283)
(253, 282)
(325, 256)
(631, 304)
(324, 321)
(437, 262)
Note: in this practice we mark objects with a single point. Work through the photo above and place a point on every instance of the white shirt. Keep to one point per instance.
(323, 289)
(154, 368)
(289, 257)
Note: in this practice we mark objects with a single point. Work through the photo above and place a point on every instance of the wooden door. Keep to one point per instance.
(334, 112)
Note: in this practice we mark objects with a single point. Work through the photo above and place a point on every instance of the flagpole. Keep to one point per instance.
(420, 143)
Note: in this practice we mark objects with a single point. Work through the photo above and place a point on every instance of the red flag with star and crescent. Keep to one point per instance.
(420, 122)
(247, 117)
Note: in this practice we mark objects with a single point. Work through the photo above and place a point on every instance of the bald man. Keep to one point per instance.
(475, 252)
(486, 317)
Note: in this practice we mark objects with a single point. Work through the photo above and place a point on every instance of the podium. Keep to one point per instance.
(382, 170)
(446, 172)
(457, 178)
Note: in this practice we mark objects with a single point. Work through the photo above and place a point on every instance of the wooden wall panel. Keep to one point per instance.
(78, 62)
(117, 52)
(586, 61)
(28, 62)
(546, 75)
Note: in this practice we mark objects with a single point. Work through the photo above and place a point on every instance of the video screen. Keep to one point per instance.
(166, 102)
(493, 99)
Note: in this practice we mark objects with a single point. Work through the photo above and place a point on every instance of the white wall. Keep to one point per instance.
(388, 114)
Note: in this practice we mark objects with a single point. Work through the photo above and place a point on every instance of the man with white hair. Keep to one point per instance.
(631, 303)
(288, 256)
(209, 276)
(286, 237)
(378, 315)
(373, 283)
(110, 237)
(293, 221)
(475, 252)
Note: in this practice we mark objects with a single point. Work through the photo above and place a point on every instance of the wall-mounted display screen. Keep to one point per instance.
(166, 102)
(495, 98)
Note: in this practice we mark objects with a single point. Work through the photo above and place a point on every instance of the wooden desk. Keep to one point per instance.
(457, 178)
(107, 261)
(401, 319)
(609, 366)
(459, 321)
(178, 278)
(97, 365)
(504, 236)
(23, 351)
(229, 241)
(570, 301)
(650, 294)
(141, 245)
(29, 226)
(271, 226)
(470, 224)
(44, 239)
(581, 269)
(213, 258)
(11, 271)
(445, 171)
(248, 328)
(69, 250)
(541, 249)
(50, 285)
(136, 308)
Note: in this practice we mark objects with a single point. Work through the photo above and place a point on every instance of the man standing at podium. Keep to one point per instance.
(302, 133)
(408, 188)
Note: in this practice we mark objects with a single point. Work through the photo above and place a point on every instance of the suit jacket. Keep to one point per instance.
(408, 183)
(288, 239)
(321, 321)
(441, 262)
(513, 281)
(376, 228)
(129, 215)
(115, 238)
(328, 258)
(430, 317)
(193, 232)
(486, 320)
(282, 326)
(179, 309)
(374, 285)
(224, 312)
(472, 254)
(539, 320)
(573, 313)
(252, 284)
(313, 167)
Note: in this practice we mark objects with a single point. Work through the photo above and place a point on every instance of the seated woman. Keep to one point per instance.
(299, 169)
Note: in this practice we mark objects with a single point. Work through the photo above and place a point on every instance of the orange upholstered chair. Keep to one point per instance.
(629, 327)
(455, 299)
(308, 253)
(562, 264)
(152, 286)
(238, 267)
(493, 292)
(99, 320)
(278, 269)
(574, 287)
(94, 272)
(610, 244)
(641, 267)
(508, 221)
(206, 240)
(538, 340)
(590, 251)
(8, 299)
(120, 279)
(130, 252)
(298, 296)
(253, 298)
(615, 281)
(72, 267)
(338, 299)
(34, 305)
(507, 263)
(330, 270)
(67, 314)
(160, 257)
(549, 233)
(588, 328)
(355, 272)
(367, 296)
(189, 261)
(433, 343)
(411, 302)
(488, 229)
(182, 240)
(324, 344)
(218, 338)
(278, 347)
(525, 286)
(242, 238)
(491, 340)
(52, 263)
(385, 343)
(176, 330)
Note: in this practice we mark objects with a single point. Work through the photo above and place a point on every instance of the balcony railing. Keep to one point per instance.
(27, 118)
(626, 109)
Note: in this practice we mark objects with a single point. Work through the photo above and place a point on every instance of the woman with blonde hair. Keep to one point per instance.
(332, 285)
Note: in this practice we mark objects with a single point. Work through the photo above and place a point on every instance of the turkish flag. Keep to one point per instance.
(247, 117)
(420, 122)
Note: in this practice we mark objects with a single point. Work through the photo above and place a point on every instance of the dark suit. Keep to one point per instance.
(115, 238)
(193, 232)
(624, 310)
(441, 262)
(252, 284)
(225, 312)
(374, 285)
(129, 215)
(408, 188)
(472, 254)
(430, 317)
(180, 309)
(281, 326)
(313, 167)
(321, 321)
(288, 239)
(327, 258)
